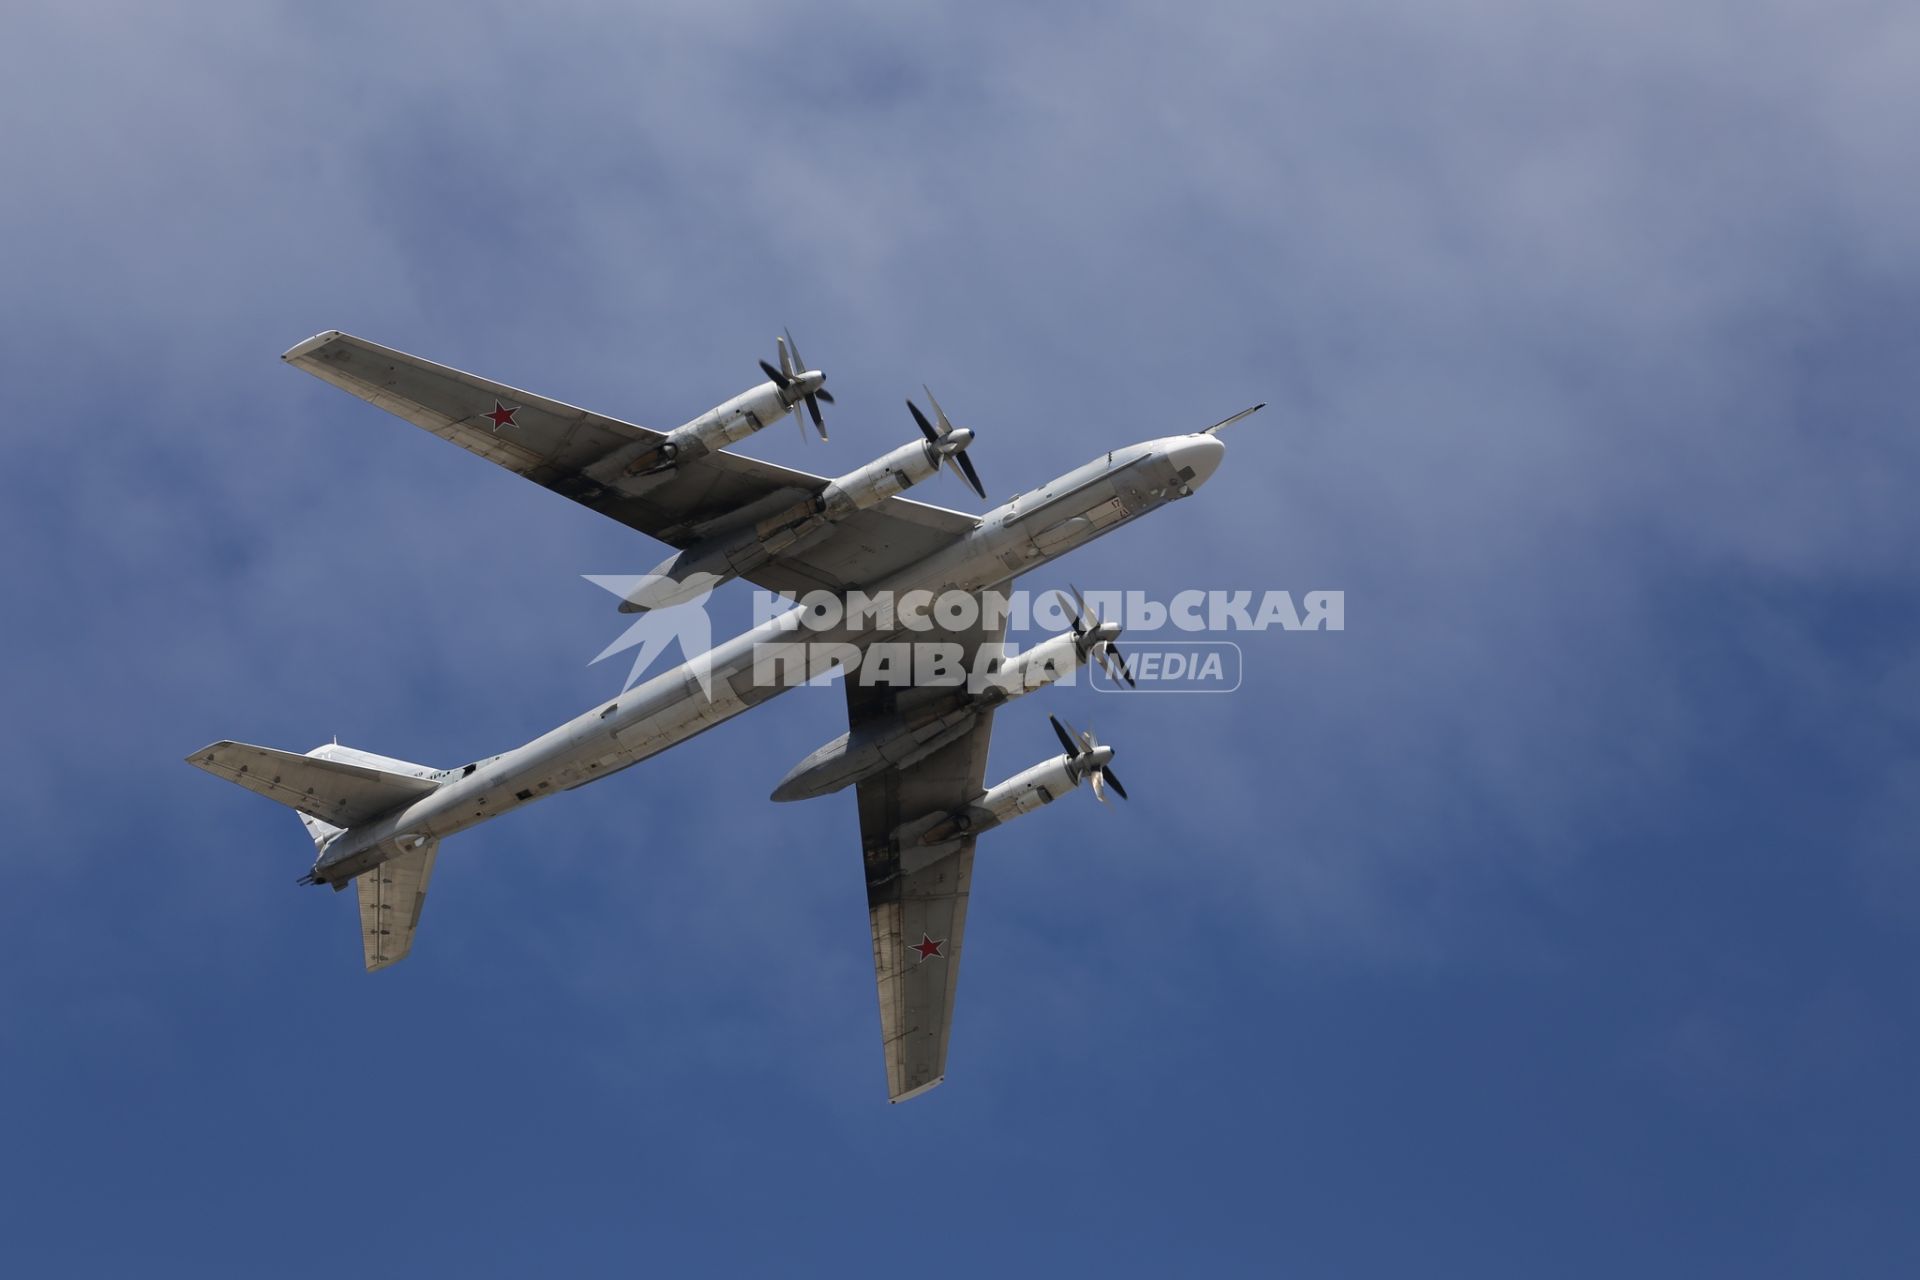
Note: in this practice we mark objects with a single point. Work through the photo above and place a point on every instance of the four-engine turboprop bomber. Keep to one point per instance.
(915, 752)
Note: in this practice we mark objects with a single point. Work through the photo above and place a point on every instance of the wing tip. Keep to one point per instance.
(917, 1090)
(201, 758)
(300, 350)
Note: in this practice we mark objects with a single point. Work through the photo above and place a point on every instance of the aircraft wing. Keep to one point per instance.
(391, 896)
(584, 456)
(917, 905)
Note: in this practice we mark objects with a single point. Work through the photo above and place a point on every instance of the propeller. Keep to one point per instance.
(949, 441)
(1095, 639)
(1088, 759)
(799, 384)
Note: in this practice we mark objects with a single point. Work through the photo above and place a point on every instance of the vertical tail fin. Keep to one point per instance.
(321, 831)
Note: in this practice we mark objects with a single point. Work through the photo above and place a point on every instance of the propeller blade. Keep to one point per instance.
(826, 396)
(1073, 615)
(973, 477)
(813, 407)
(799, 365)
(1081, 612)
(778, 378)
(1115, 784)
(961, 464)
(938, 412)
(1227, 422)
(1119, 660)
(1061, 733)
(926, 428)
(1099, 787)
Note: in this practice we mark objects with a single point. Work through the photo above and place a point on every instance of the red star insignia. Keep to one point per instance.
(928, 947)
(502, 416)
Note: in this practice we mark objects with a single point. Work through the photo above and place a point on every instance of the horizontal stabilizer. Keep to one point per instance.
(391, 896)
(338, 791)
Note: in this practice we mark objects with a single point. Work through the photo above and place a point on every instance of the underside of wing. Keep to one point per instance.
(597, 461)
(917, 898)
(918, 915)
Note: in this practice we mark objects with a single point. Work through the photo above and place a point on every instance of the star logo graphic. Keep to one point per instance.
(928, 947)
(501, 416)
(686, 623)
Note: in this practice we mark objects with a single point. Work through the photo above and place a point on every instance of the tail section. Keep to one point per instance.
(333, 788)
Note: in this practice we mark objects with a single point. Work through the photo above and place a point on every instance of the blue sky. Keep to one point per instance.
(1557, 917)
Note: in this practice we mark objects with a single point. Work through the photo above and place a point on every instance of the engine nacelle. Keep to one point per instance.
(1035, 668)
(902, 742)
(718, 427)
(687, 574)
(879, 480)
(1024, 792)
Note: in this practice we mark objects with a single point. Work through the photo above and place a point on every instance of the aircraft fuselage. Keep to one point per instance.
(1023, 534)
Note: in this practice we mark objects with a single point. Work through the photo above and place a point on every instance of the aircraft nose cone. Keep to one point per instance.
(1201, 452)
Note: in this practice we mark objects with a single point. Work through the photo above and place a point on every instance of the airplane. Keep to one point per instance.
(915, 753)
